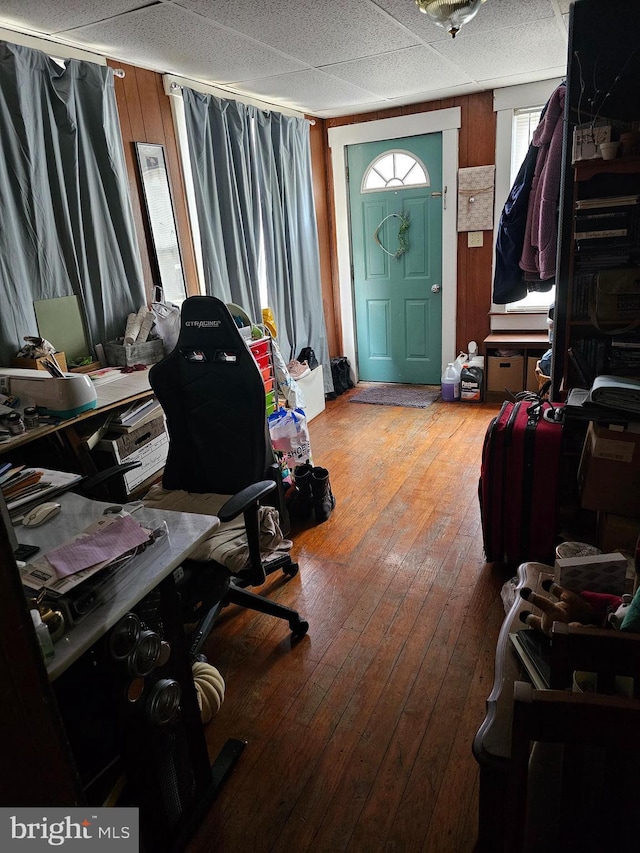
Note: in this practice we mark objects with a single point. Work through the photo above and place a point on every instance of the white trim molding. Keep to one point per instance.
(448, 123)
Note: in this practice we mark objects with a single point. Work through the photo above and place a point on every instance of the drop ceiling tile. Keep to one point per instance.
(316, 32)
(403, 72)
(496, 14)
(45, 16)
(513, 50)
(308, 91)
(169, 39)
(491, 15)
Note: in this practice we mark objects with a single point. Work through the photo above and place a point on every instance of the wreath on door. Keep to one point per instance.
(403, 242)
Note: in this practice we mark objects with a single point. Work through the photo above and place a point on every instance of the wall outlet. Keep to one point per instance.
(475, 239)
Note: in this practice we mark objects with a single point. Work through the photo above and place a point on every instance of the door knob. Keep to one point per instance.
(435, 288)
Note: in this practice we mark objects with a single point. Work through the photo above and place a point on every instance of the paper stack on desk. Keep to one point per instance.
(108, 543)
(21, 485)
(98, 547)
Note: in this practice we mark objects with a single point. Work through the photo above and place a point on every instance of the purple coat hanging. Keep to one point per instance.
(541, 235)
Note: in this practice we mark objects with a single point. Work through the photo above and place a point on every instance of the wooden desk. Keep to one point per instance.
(62, 445)
(492, 743)
(128, 388)
(186, 531)
(117, 725)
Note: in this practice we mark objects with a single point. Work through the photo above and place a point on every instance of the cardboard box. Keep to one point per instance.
(36, 363)
(600, 573)
(119, 355)
(505, 374)
(617, 532)
(609, 471)
(149, 444)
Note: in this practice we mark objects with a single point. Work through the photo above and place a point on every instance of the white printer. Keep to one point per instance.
(66, 397)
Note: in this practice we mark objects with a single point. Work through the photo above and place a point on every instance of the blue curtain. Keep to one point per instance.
(67, 224)
(254, 198)
(219, 135)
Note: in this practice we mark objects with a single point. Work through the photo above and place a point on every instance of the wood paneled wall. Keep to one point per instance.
(477, 141)
(145, 116)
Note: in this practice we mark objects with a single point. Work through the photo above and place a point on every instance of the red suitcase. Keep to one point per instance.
(518, 489)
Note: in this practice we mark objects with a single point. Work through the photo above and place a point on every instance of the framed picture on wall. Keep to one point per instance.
(161, 217)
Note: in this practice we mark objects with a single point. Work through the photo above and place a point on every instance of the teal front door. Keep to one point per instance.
(395, 198)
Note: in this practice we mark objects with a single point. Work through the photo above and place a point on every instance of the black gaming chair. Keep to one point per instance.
(213, 397)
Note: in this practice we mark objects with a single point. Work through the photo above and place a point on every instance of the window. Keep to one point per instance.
(395, 169)
(518, 110)
(525, 122)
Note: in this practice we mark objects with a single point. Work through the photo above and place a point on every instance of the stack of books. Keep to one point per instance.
(21, 485)
(534, 650)
(19, 481)
(135, 416)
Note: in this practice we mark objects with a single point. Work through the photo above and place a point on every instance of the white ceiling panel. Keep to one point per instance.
(182, 43)
(320, 90)
(49, 17)
(324, 57)
(317, 32)
(403, 72)
(504, 52)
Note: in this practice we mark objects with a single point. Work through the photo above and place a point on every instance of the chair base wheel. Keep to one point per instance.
(299, 628)
(291, 570)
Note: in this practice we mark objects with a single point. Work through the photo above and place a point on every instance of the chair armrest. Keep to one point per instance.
(89, 483)
(241, 501)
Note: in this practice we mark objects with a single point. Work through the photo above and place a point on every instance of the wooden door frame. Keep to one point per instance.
(448, 123)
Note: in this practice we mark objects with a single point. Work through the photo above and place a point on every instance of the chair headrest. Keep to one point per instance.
(206, 322)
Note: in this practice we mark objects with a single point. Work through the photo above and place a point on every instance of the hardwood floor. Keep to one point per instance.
(359, 735)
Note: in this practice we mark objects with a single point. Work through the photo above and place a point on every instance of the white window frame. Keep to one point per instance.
(505, 103)
(398, 182)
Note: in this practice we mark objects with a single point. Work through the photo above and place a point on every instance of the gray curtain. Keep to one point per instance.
(254, 195)
(219, 134)
(67, 223)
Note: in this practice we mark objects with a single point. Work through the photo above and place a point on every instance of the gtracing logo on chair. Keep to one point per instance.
(203, 324)
(40, 829)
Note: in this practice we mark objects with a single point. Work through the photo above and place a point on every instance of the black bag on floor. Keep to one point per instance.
(341, 374)
(308, 355)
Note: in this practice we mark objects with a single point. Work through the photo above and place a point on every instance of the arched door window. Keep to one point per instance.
(395, 169)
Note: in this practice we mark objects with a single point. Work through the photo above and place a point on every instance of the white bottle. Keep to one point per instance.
(450, 384)
(44, 637)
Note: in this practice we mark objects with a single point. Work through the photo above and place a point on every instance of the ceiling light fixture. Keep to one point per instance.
(449, 14)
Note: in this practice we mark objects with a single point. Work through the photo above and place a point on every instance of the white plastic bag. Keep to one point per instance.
(290, 437)
(167, 321)
(287, 385)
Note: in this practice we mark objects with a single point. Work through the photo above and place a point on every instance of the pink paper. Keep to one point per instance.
(122, 535)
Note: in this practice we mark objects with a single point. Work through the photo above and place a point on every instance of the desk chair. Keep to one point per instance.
(573, 778)
(213, 397)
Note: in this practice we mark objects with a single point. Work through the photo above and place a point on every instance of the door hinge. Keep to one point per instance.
(347, 173)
